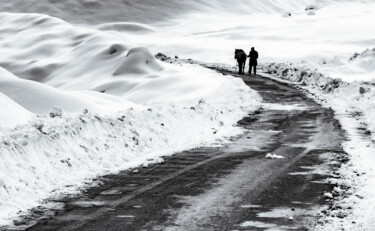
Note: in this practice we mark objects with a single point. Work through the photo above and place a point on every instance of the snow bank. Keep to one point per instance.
(359, 67)
(346, 95)
(353, 194)
(354, 106)
(14, 115)
(49, 153)
(39, 98)
(78, 103)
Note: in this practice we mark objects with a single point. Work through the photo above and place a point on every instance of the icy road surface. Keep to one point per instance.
(225, 188)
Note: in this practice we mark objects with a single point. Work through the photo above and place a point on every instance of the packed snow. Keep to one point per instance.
(82, 94)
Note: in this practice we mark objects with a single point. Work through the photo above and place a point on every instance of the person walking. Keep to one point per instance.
(253, 61)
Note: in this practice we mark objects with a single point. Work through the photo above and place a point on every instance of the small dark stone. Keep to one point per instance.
(362, 90)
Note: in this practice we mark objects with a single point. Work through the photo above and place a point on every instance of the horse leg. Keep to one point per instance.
(239, 67)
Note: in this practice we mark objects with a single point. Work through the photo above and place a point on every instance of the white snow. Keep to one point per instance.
(47, 154)
(354, 106)
(15, 114)
(89, 102)
(274, 156)
(117, 107)
(335, 31)
(328, 195)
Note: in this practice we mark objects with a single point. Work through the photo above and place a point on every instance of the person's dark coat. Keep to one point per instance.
(253, 58)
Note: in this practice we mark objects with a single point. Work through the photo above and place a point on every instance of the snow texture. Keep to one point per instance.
(78, 103)
(81, 101)
(352, 101)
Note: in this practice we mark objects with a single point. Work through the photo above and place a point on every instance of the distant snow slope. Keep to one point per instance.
(145, 11)
(328, 30)
(209, 30)
(50, 51)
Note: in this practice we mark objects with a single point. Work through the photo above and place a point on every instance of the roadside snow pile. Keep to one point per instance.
(358, 67)
(78, 103)
(302, 73)
(343, 95)
(352, 202)
(274, 156)
(48, 154)
(352, 199)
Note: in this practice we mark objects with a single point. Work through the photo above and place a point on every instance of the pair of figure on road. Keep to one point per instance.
(241, 57)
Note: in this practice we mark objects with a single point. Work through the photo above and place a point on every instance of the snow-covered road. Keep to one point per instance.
(230, 187)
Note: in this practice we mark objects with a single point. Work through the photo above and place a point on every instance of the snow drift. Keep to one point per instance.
(354, 106)
(78, 103)
(47, 154)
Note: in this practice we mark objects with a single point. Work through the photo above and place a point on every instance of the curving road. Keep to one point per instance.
(227, 188)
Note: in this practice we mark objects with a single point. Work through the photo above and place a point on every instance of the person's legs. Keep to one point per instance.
(250, 69)
(255, 70)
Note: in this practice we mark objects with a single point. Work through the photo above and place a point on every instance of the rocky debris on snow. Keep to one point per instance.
(363, 90)
(354, 56)
(287, 14)
(162, 57)
(56, 112)
(365, 53)
(311, 7)
(177, 60)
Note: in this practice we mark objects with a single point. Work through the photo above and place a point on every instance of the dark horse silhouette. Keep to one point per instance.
(240, 55)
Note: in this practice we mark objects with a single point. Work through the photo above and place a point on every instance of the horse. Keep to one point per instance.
(241, 57)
